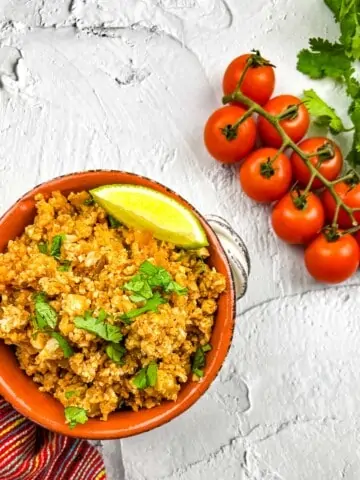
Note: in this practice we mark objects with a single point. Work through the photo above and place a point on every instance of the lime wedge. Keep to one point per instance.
(147, 209)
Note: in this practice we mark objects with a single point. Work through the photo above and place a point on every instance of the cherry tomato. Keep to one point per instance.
(297, 218)
(329, 161)
(258, 82)
(225, 142)
(295, 124)
(350, 195)
(332, 261)
(266, 176)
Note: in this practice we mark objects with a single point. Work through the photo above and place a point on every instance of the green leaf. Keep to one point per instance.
(63, 343)
(146, 377)
(175, 287)
(64, 266)
(140, 286)
(75, 416)
(137, 298)
(325, 115)
(198, 362)
(102, 315)
(116, 352)
(354, 155)
(335, 6)
(108, 332)
(89, 201)
(55, 249)
(324, 59)
(151, 374)
(140, 380)
(147, 268)
(151, 305)
(70, 393)
(43, 247)
(45, 315)
(113, 223)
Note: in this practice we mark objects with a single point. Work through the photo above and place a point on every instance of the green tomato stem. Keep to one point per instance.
(238, 96)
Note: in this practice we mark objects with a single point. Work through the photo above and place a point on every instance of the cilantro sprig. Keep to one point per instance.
(146, 377)
(336, 61)
(99, 327)
(146, 286)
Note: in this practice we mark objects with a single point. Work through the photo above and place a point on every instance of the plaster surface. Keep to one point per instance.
(128, 84)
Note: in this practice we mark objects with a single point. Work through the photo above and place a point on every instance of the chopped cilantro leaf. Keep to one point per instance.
(198, 362)
(146, 377)
(103, 330)
(75, 416)
(55, 249)
(70, 393)
(175, 287)
(140, 285)
(116, 352)
(64, 266)
(63, 344)
(43, 247)
(113, 223)
(45, 315)
(102, 315)
(140, 380)
(89, 201)
(151, 374)
(148, 268)
(325, 115)
(150, 305)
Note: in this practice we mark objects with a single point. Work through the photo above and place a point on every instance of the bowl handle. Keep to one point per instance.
(236, 252)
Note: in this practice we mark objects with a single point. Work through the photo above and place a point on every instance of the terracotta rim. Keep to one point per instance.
(125, 423)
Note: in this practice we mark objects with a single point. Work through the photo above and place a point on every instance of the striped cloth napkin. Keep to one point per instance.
(28, 452)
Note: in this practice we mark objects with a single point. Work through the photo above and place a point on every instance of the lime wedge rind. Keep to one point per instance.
(144, 208)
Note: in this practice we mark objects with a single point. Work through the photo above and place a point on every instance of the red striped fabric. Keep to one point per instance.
(28, 452)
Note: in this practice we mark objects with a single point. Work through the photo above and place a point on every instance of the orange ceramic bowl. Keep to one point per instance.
(23, 394)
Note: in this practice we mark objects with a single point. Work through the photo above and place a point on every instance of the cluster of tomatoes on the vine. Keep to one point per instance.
(307, 211)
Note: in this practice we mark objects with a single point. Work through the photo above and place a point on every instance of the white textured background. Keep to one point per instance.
(128, 84)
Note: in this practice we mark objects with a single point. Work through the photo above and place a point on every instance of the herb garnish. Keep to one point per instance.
(142, 285)
(338, 62)
(63, 343)
(56, 243)
(45, 315)
(70, 393)
(43, 247)
(113, 223)
(75, 416)
(64, 266)
(97, 326)
(146, 377)
(199, 360)
(150, 306)
(116, 352)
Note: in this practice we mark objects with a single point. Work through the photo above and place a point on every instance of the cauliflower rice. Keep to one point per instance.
(94, 262)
